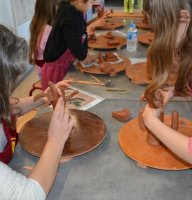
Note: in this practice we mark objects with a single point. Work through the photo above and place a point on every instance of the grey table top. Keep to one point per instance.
(106, 173)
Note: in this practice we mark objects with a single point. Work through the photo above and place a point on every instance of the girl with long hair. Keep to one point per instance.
(13, 185)
(172, 26)
(67, 40)
(40, 28)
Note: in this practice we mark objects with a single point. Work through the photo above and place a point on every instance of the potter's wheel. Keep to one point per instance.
(146, 38)
(137, 73)
(133, 143)
(89, 132)
(119, 67)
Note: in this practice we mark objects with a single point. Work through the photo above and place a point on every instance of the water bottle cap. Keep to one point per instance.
(132, 25)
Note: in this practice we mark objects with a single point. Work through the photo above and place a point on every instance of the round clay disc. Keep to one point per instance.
(95, 69)
(88, 133)
(111, 24)
(146, 38)
(133, 143)
(122, 14)
(102, 43)
(137, 73)
(143, 25)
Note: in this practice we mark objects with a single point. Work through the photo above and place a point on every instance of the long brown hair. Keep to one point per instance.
(45, 13)
(164, 19)
(13, 55)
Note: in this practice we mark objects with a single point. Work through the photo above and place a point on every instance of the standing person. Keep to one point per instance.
(172, 24)
(13, 185)
(67, 40)
(40, 28)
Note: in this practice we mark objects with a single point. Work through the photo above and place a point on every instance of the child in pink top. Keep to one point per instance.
(41, 42)
(178, 35)
(40, 28)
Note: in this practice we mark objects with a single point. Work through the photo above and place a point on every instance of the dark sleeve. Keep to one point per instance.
(74, 34)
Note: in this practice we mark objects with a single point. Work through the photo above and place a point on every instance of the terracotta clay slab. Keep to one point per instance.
(120, 14)
(143, 25)
(110, 25)
(146, 38)
(137, 73)
(133, 143)
(95, 69)
(88, 133)
(101, 42)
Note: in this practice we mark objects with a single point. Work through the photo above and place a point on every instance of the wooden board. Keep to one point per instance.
(133, 143)
(111, 25)
(101, 43)
(89, 132)
(95, 69)
(143, 25)
(137, 73)
(122, 14)
(146, 38)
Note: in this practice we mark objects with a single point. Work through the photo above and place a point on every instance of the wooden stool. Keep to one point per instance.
(35, 86)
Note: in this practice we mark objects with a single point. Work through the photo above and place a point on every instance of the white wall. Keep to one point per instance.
(6, 15)
(7, 18)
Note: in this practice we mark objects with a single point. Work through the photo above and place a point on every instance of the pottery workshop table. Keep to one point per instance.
(106, 173)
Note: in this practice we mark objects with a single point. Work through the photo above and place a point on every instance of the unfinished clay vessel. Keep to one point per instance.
(110, 57)
(109, 35)
(106, 67)
(122, 115)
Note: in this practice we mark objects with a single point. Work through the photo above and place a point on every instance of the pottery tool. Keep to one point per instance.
(96, 79)
(107, 84)
(116, 89)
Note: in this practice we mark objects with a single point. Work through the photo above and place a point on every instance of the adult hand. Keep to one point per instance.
(54, 91)
(61, 124)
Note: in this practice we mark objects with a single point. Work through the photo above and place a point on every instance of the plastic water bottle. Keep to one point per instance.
(131, 6)
(132, 38)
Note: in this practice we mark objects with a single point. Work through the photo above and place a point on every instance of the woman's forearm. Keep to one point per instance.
(26, 104)
(46, 168)
(175, 141)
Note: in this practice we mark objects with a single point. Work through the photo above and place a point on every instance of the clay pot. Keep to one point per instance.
(110, 57)
(106, 67)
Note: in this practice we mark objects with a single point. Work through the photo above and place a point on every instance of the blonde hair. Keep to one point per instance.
(164, 19)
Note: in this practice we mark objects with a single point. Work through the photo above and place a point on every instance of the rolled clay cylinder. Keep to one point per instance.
(122, 115)
(151, 138)
(175, 120)
(141, 122)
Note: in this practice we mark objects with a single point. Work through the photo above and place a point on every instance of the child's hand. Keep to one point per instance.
(168, 94)
(61, 124)
(150, 113)
(99, 22)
